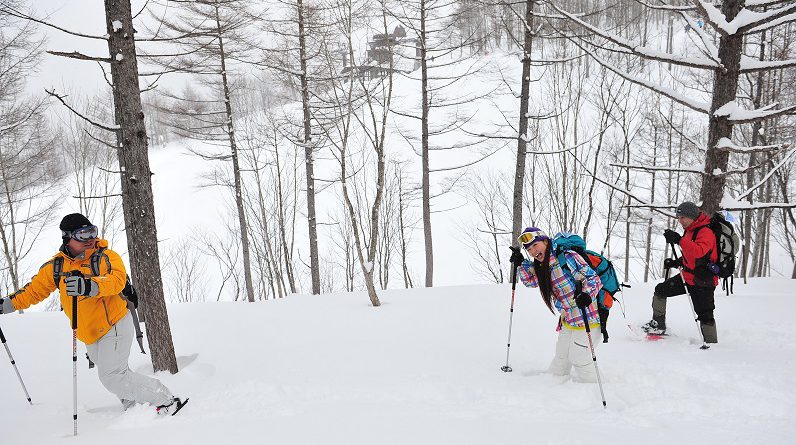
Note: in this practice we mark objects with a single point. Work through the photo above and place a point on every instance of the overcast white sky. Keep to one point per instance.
(84, 16)
(68, 75)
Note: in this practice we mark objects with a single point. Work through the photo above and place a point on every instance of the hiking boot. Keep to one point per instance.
(654, 327)
(171, 408)
(709, 332)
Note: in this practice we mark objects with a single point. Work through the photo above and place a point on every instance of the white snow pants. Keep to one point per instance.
(572, 350)
(110, 354)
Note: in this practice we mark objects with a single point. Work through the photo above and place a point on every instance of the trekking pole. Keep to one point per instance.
(507, 368)
(690, 302)
(591, 346)
(74, 356)
(14, 364)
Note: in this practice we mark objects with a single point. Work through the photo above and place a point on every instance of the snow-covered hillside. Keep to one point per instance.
(423, 368)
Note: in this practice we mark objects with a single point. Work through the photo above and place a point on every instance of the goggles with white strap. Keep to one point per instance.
(82, 234)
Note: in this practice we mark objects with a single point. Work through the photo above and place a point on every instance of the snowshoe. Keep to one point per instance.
(656, 337)
(172, 408)
(654, 328)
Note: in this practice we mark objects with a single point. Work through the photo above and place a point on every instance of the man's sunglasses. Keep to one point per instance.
(83, 234)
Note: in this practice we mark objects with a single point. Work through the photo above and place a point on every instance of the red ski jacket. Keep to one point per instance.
(698, 251)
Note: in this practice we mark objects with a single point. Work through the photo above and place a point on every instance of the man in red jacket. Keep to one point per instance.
(698, 245)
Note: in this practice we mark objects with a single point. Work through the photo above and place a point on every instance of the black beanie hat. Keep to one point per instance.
(73, 221)
(688, 209)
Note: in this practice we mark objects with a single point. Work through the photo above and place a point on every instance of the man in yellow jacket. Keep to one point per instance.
(104, 322)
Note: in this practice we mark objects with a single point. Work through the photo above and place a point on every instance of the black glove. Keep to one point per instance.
(583, 300)
(671, 263)
(671, 236)
(78, 286)
(516, 256)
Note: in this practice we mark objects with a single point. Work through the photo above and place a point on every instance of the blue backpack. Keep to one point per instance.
(571, 242)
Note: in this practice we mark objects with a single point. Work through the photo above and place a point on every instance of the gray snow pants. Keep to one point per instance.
(110, 354)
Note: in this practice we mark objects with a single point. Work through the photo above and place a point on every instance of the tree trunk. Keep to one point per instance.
(627, 213)
(750, 176)
(648, 256)
(426, 186)
(281, 220)
(725, 88)
(273, 264)
(402, 233)
(793, 275)
(244, 227)
(308, 154)
(136, 184)
(522, 140)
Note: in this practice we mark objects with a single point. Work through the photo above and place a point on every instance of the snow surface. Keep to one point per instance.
(422, 368)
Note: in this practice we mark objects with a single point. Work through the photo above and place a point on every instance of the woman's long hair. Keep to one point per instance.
(542, 270)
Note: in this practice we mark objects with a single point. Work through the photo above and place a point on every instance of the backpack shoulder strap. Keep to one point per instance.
(94, 262)
(58, 267)
(696, 232)
(559, 254)
(562, 260)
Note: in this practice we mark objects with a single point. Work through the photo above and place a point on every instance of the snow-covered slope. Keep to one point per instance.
(423, 368)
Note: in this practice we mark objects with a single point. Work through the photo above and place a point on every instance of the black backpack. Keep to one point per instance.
(727, 245)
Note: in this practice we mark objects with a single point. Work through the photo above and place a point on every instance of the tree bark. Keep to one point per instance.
(725, 88)
(244, 227)
(426, 186)
(136, 184)
(648, 253)
(522, 140)
(287, 253)
(627, 212)
(750, 176)
(308, 154)
(402, 232)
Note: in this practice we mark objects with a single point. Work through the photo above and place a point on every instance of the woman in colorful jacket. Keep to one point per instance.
(104, 323)
(572, 290)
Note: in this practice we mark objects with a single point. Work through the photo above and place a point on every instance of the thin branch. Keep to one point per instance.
(656, 168)
(15, 13)
(726, 145)
(112, 129)
(765, 178)
(80, 56)
(97, 197)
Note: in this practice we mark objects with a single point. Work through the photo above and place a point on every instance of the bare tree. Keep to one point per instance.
(486, 235)
(132, 150)
(519, 172)
(724, 61)
(436, 43)
(296, 44)
(92, 165)
(27, 201)
(209, 36)
(185, 269)
(356, 128)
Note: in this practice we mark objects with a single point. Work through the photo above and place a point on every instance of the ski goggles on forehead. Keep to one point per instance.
(528, 238)
(83, 234)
